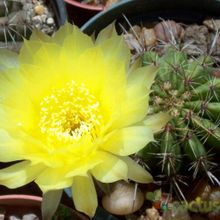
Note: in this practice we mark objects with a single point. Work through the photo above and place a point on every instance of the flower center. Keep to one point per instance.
(69, 113)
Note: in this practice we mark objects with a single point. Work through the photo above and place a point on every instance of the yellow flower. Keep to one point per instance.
(72, 110)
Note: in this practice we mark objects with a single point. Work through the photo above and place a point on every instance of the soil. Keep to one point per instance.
(196, 39)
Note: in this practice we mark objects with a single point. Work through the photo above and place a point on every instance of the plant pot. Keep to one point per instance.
(79, 12)
(19, 205)
(149, 10)
(59, 9)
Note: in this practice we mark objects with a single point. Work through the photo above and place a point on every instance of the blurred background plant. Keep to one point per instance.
(19, 17)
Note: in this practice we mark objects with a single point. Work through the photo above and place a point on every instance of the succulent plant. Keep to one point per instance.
(13, 23)
(187, 89)
(19, 17)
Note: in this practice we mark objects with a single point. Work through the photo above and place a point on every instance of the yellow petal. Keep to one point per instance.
(20, 174)
(28, 50)
(143, 76)
(117, 51)
(136, 172)
(82, 166)
(64, 31)
(50, 203)
(8, 59)
(134, 108)
(44, 55)
(110, 170)
(38, 35)
(11, 149)
(134, 66)
(106, 33)
(75, 44)
(84, 195)
(157, 121)
(53, 179)
(128, 140)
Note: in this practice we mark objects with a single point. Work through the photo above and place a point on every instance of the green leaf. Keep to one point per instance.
(51, 200)
(154, 196)
(157, 194)
(150, 196)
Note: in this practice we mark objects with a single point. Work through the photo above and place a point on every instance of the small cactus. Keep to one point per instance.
(17, 21)
(186, 88)
(13, 25)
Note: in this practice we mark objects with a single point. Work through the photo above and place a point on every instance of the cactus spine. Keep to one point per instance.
(13, 24)
(187, 89)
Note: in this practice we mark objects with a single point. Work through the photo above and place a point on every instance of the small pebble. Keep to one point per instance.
(36, 20)
(167, 30)
(133, 43)
(50, 21)
(211, 24)
(30, 216)
(39, 9)
(153, 214)
(13, 217)
(44, 18)
(123, 199)
(149, 37)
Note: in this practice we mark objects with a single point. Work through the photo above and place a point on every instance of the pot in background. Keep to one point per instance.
(140, 11)
(79, 12)
(59, 9)
(20, 205)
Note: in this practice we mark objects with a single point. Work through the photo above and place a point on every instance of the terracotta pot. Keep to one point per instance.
(79, 12)
(84, 6)
(19, 205)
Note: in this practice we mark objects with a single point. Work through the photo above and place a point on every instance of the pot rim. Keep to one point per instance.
(20, 196)
(21, 200)
(85, 6)
(146, 8)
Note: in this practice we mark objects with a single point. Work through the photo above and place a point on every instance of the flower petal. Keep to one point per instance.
(82, 166)
(134, 108)
(75, 43)
(8, 59)
(84, 195)
(135, 66)
(53, 179)
(38, 35)
(136, 172)
(110, 170)
(50, 203)
(10, 148)
(157, 121)
(143, 76)
(106, 33)
(19, 174)
(128, 140)
(64, 31)
(117, 51)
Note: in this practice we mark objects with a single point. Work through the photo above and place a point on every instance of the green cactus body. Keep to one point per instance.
(186, 89)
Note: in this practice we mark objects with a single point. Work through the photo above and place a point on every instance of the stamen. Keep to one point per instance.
(69, 113)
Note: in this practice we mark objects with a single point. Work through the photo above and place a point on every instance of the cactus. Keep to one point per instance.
(13, 24)
(190, 92)
(19, 17)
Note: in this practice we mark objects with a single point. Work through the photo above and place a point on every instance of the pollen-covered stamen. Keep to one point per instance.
(69, 113)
